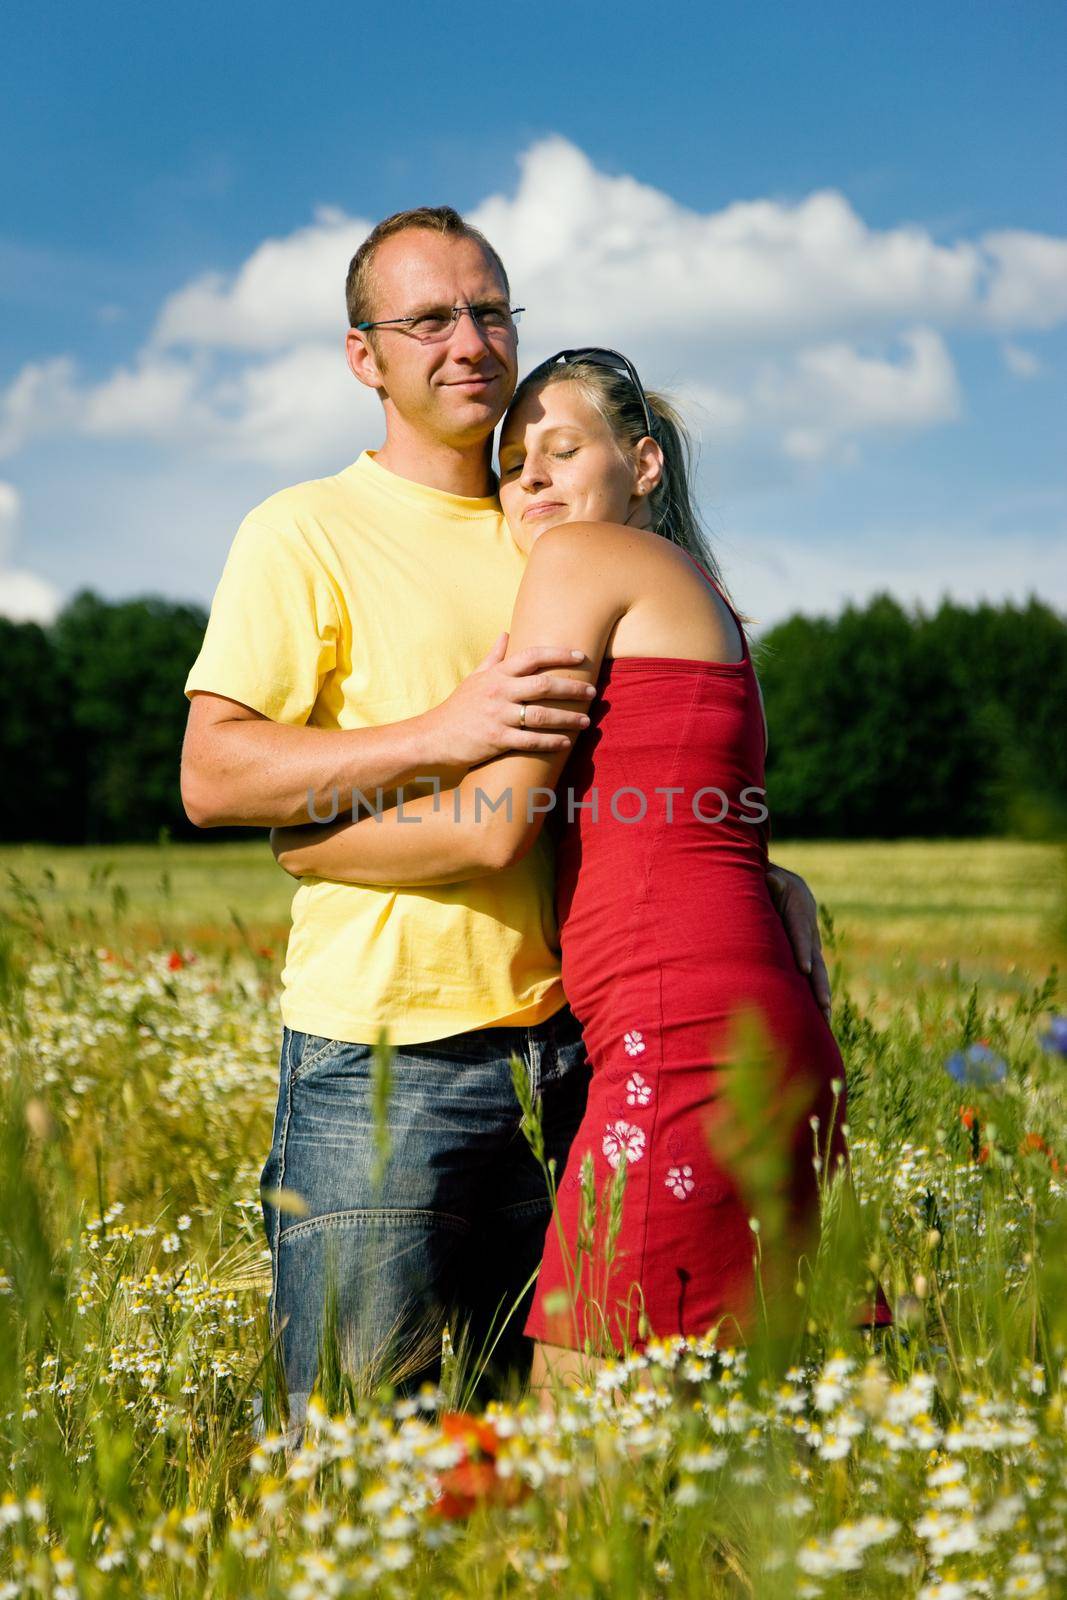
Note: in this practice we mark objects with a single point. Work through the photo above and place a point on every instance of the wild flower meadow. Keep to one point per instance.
(928, 1460)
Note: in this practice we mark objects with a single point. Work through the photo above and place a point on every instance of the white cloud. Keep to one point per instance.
(771, 314)
(1028, 287)
(1023, 363)
(24, 597)
(837, 391)
(710, 409)
(40, 399)
(10, 506)
(809, 444)
(298, 409)
(301, 409)
(154, 399)
(594, 252)
(289, 290)
(791, 332)
(857, 391)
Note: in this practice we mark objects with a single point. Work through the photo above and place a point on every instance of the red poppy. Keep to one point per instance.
(967, 1115)
(475, 1434)
(474, 1480)
(464, 1487)
(175, 960)
(1033, 1144)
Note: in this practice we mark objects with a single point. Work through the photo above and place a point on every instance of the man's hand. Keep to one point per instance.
(796, 906)
(480, 719)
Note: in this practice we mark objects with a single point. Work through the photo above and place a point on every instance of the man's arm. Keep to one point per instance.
(252, 755)
(241, 769)
(576, 585)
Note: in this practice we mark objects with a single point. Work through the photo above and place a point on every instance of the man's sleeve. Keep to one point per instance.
(272, 634)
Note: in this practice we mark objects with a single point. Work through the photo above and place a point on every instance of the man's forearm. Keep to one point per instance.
(260, 774)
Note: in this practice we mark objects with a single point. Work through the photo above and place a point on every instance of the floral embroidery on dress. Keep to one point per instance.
(680, 1182)
(638, 1090)
(634, 1042)
(623, 1139)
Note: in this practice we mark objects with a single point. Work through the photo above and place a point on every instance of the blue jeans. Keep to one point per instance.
(450, 1226)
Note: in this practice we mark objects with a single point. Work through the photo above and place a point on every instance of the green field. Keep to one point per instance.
(139, 1028)
(906, 912)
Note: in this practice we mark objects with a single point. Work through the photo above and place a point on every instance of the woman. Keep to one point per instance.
(668, 934)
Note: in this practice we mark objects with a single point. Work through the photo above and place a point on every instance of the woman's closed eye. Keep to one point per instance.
(508, 469)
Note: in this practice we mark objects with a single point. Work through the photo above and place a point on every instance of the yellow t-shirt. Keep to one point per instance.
(351, 602)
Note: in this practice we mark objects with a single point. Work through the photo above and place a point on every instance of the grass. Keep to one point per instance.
(912, 911)
(995, 906)
(138, 1018)
(154, 894)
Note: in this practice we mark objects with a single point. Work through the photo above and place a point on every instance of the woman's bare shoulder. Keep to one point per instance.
(614, 539)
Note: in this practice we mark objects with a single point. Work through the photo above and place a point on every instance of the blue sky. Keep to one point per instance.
(835, 231)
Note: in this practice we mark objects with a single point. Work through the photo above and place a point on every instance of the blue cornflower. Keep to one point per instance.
(1055, 1040)
(977, 1065)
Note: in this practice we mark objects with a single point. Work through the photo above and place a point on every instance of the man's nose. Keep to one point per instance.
(468, 342)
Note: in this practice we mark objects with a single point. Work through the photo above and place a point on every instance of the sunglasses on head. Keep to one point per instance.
(599, 356)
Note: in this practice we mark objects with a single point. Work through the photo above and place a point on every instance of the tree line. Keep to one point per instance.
(884, 722)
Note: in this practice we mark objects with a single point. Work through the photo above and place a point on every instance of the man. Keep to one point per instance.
(354, 645)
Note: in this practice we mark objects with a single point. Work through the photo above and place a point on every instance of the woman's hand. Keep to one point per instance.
(480, 719)
(798, 909)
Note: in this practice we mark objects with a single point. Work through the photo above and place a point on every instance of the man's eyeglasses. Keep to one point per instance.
(601, 357)
(494, 318)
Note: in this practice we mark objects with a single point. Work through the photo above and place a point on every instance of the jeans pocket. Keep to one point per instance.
(307, 1048)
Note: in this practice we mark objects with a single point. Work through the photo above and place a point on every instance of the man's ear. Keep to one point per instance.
(362, 361)
(649, 466)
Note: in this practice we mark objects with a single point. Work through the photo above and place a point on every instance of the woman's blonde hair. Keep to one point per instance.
(672, 504)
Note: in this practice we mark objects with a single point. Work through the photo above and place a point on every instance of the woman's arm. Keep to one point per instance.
(574, 587)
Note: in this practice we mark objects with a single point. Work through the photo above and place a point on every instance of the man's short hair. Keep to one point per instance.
(435, 219)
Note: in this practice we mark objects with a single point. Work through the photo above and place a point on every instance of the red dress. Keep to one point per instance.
(667, 928)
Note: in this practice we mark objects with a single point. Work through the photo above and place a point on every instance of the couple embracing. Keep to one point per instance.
(548, 842)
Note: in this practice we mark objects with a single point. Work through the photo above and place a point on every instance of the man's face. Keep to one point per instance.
(454, 391)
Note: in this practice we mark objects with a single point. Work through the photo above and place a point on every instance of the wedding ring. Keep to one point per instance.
(522, 713)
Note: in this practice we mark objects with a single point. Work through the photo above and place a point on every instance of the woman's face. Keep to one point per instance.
(559, 462)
